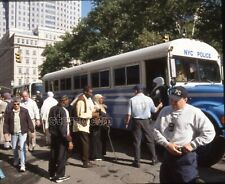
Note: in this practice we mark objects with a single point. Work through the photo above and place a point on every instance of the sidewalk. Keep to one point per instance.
(110, 171)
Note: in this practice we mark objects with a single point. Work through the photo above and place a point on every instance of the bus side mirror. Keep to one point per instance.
(173, 68)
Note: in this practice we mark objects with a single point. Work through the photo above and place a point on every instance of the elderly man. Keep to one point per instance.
(33, 110)
(181, 128)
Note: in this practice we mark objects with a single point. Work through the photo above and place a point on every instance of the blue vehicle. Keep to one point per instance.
(187, 62)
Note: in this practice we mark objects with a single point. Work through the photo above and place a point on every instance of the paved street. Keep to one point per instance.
(111, 170)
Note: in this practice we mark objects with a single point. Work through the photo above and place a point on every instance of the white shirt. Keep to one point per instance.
(184, 126)
(32, 108)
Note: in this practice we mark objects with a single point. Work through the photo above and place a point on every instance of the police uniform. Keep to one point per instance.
(187, 125)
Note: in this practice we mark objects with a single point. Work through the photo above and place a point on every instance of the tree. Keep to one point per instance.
(119, 26)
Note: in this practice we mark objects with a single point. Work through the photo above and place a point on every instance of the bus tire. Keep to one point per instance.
(211, 153)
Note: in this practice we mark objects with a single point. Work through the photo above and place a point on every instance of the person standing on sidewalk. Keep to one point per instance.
(84, 111)
(33, 110)
(181, 128)
(17, 122)
(139, 109)
(48, 103)
(61, 141)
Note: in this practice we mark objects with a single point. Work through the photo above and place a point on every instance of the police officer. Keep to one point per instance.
(181, 128)
(139, 109)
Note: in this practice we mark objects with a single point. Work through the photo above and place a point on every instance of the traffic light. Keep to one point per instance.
(166, 38)
(18, 58)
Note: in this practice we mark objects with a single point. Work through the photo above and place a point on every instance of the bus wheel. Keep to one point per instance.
(212, 153)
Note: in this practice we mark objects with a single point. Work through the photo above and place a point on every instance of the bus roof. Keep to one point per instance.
(183, 47)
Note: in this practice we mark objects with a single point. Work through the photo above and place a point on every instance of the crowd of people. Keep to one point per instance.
(179, 127)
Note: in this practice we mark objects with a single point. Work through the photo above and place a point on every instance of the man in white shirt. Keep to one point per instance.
(45, 108)
(33, 110)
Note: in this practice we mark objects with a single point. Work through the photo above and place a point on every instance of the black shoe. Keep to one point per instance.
(87, 165)
(61, 179)
(136, 164)
(154, 162)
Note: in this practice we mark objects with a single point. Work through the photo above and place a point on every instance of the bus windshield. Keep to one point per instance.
(196, 70)
(36, 87)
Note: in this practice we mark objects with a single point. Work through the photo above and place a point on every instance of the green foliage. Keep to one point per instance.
(118, 26)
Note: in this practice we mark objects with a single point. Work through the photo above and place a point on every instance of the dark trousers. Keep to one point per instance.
(142, 126)
(58, 156)
(84, 145)
(179, 169)
(96, 142)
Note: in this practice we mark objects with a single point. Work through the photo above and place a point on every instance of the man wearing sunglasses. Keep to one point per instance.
(181, 128)
(17, 122)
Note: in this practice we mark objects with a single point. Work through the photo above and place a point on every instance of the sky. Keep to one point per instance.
(86, 7)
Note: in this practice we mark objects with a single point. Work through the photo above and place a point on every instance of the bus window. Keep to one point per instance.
(196, 70)
(83, 81)
(46, 86)
(56, 85)
(104, 78)
(133, 74)
(65, 84)
(208, 71)
(119, 76)
(95, 79)
(76, 82)
(181, 75)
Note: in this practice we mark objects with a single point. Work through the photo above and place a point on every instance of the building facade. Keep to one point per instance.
(30, 45)
(26, 27)
(29, 14)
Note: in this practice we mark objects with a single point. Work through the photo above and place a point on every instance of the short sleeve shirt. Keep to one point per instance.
(141, 106)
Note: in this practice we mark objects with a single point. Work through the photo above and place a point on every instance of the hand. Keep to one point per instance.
(32, 135)
(70, 146)
(174, 149)
(187, 148)
(38, 123)
(95, 115)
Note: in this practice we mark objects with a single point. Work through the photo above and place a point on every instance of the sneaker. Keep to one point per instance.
(61, 179)
(22, 169)
(98, 159)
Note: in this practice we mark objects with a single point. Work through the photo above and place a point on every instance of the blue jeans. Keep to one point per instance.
(21, 138)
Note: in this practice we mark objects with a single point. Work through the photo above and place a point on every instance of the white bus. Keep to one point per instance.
(114, 77)
(32, 89)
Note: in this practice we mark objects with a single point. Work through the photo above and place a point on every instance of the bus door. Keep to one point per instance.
(155, 68)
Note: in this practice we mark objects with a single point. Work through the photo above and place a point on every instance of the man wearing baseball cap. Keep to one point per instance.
(181, 128)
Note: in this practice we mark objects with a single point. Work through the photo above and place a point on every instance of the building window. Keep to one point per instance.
(34, 71)
(34, 61)
(20, 82)
(27, 52)
(19, 70)
(34, 52)
(27, 60)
